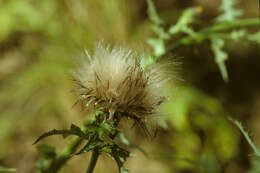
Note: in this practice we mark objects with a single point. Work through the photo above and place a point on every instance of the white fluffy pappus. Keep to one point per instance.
(114, 79)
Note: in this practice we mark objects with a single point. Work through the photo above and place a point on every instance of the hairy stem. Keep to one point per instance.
(93, 161)
(207, 32)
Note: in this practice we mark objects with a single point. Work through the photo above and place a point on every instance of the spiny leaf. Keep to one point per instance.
(157, 44)
(229, 12)
(153, 14)
(221, 56)
(3, 169)
(74, 130)
(247, 136)
(184, 21)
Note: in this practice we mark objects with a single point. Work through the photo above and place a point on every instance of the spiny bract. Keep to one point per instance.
(114, 79)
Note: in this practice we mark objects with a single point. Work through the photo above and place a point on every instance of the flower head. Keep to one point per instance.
(115, 80)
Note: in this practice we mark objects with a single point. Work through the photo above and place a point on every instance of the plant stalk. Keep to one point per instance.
(93, 160)
(207, 32)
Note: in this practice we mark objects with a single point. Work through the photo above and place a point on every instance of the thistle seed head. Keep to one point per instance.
(114, 79)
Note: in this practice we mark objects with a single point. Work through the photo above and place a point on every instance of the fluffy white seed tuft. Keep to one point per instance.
(114, 79)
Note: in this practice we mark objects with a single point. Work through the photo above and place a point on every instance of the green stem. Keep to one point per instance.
(246, 135)
(62, 158)
(93, 161)
(207, 32)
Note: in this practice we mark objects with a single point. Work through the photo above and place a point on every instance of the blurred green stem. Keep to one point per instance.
(93, 161)
(208, 32)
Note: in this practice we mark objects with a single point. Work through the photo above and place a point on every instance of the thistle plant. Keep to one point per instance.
(115, 85)
(227, 27)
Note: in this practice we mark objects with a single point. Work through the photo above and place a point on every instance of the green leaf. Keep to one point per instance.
(229, 12)
(158, 46)
(2, 169)
(123, 139)
(119, 154)
(184, 21)
(238, 34)
(89, 146)
(74, 130)
(47, 151)
(41, 165)
(217, 44)
(161, 32)
(254, 37)
(123, 170)
(153, 14)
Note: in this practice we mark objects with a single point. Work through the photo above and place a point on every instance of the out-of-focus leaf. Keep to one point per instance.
(254, 37)
(3, 169)
(161, 32)
(153, 14)
(74, 130)
(41, 164)
(47, 151)
(184, 21)
(228, 10)
(217, 45)
(238, 34)
(255, 166)
(147, 60)
(158, 46)
(123, 170)
(209, 163)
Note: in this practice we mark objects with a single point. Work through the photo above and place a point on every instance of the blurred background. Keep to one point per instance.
(40, 44)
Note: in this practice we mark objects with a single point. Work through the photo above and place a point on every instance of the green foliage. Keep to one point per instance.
(182, 25)
(94, 132)
(191, 110)
(217, 34)
(119, 154)
(153, 14)
(230, 13)
(255, 166)
(46, 151)
(3, 169)
(254, 37)
(217, 45)
(158, 44)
